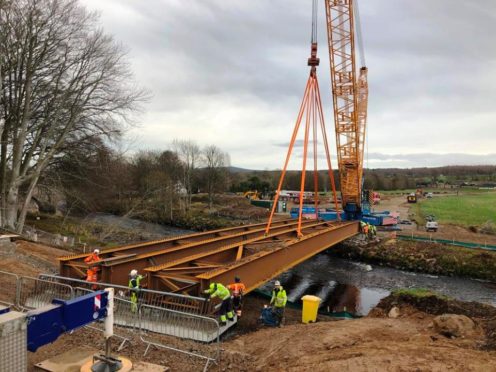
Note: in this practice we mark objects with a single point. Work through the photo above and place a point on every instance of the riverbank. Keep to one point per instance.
(426, 257)
(408, 340)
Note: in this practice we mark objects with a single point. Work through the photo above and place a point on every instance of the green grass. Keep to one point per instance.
(464, 209)
(417, 292)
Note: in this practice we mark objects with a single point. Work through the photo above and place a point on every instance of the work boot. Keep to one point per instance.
(231, 319)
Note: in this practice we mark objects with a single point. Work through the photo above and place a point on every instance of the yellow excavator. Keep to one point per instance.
(252, 195)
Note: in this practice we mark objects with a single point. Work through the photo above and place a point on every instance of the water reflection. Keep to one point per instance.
(345, 285)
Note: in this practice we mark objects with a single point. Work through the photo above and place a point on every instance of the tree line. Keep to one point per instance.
(153, 185)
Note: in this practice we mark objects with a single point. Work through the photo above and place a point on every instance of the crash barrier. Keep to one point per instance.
(33, 293)
(412, 237)
(171, 301)
(8, 295)
(155, 322)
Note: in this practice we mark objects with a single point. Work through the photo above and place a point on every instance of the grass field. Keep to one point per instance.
(465, 210)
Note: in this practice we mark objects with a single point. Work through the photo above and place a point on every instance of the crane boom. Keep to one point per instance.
(350, 97)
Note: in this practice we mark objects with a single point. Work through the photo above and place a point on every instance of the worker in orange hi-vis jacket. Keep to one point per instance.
(92, 271)
(237, 290)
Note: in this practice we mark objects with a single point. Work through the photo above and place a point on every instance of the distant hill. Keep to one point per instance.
(241, 170)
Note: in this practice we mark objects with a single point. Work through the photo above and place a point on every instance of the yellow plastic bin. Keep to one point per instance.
(310, 308)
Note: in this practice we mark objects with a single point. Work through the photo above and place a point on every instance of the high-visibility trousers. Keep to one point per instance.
(226, 309)
(91, 276)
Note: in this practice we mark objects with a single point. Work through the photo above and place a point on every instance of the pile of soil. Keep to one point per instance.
(482, 314)
(410, 342)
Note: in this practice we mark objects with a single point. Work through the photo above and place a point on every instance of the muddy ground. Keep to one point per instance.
(372, 343)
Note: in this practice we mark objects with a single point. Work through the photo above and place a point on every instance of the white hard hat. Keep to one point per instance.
(277, 282)
(133, 272)
(97, 251)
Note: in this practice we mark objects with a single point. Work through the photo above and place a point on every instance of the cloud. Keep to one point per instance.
(232, 73)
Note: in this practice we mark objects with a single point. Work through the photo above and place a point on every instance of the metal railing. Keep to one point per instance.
(33, 293)
(154, 322)
(167, 300)
(201, 334)
(8, 295)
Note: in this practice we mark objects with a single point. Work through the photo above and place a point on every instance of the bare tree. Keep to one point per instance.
(215, 170)
(64, 82)
(189, 153)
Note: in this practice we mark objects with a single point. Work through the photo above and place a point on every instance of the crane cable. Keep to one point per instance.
(359, 35)
(314, 21)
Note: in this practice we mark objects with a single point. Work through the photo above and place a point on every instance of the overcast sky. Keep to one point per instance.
(232, 73)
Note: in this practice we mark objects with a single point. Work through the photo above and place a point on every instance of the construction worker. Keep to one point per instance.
(237, 290)
(370, 231)
(92, 270)
(374, 230)
(135, 287)
(218, 290)
(366, 230)
(362, 230)
(278, 302)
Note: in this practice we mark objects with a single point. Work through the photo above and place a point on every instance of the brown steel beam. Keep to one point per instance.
(117, 271)
(148, 249)
(176, 240)
(263, 266)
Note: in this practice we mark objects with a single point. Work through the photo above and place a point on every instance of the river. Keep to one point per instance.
(345, 285)
(338, 282)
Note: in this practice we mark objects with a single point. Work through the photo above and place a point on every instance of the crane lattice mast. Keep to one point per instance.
(350, 97)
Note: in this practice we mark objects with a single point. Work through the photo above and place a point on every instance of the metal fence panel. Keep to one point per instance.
(167, 300)
(34, 293)
(156, 322)
(8, 294)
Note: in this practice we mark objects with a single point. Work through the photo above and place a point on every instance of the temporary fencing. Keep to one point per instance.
(155, 322)
(484, 246)
(33, 293)
(171, 301)
(8, 295)
(156, 325)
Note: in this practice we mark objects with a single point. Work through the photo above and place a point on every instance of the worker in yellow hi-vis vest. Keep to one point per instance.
(218, 290)
(278, 302)
(135, 287)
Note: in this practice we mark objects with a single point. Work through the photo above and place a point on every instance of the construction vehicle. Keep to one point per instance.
(431, 224)
(350, 102)
(252, 195)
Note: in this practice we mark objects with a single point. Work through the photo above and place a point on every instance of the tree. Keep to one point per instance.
(215, 171)
(64, 83)
(189, 153)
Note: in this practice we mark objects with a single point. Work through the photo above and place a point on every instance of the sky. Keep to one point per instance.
(232, 73)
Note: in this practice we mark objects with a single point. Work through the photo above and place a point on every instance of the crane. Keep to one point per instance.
(350, 99)
(312, 114)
